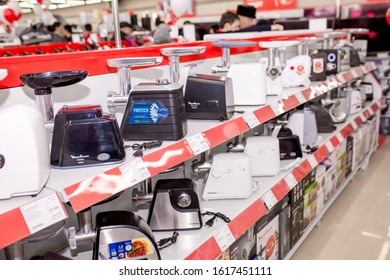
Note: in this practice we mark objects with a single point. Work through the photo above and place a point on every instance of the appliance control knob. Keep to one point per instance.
(184, 200)
(162, 82)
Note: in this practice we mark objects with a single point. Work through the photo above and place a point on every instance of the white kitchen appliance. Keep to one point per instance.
(354, 101)
(264, 155)
(303, 123)
(229, 177)
(297, 71)
(249, 83)
(24, 152)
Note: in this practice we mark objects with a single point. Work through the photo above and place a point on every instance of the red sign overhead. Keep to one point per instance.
(270, 5)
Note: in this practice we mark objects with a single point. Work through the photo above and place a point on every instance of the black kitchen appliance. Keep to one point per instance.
(85, 136)
(209, 97)
(289, 144)
(123, 235)
(155, 111)
(318, 66)
(323, 118)
(175, 206)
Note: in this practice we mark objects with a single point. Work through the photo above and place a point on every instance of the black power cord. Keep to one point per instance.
(139, 148)
(216, 215)
(165, 242)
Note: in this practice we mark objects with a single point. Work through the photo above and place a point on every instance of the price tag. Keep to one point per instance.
(269, 199)
(277, 108)
(312, 161)
(341, 78)
(291, 181)
(370, 110)
(300, 97)
(354, 74)
(354, 125)
(329, 146)
(363, 118)
(224, 238)
(198, 144)
(135, 171)
(340, 137)
(43, 213)
(251, 119)
(364, 69)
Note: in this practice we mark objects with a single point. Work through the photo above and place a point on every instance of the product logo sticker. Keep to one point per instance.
(147, 112)
(130, 249)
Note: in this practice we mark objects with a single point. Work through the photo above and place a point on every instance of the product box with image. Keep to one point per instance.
(296, 225)
(320, 179)
(296, 193)
(341, 154)
(244, 248)
(310, 203)
(267, 241)
(309, 179)
(348, 169)
(330, 182)
(356, 148)
(284, 232)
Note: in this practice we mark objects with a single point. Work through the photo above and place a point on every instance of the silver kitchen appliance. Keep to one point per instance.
(175, 206)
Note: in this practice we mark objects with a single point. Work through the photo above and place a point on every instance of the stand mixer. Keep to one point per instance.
(82, 135)
(249, 84)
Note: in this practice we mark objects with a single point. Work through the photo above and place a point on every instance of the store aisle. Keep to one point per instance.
(357, 225)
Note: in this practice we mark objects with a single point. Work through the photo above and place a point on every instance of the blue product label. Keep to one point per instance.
(147, 112)
(118, 250)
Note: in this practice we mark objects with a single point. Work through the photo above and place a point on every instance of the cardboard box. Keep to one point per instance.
(330, 182)
(348, 169)
(296, 228)
(267, 241)
(284, 232)
(244, 248)
(341, 153)
(309, 179)
(356, 147)
(296, 193)
(310, 204)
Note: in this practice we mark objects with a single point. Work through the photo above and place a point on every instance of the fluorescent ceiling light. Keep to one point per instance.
(92, 1)
(25, 11)
(58, 1)
(61, 6)
(52, 7)
(26, 5)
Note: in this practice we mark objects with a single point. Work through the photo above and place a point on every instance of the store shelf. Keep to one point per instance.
(328, 204)
(274, 190)
(80, 186)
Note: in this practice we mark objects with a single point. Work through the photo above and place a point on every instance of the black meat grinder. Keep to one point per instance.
(82, 135)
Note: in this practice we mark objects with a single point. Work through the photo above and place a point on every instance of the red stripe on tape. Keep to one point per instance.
(15, 230)
(348, 76)
(264, 114)
(169, 156)
(358, 121)
(375, 107)
(207, 251)
(248, 217)
(335, 141)
(359, 71)
(225, 132)
(302, 170)
(347, 130)
(307, 93)
(280, 190)
(289, 103)
(321, 153)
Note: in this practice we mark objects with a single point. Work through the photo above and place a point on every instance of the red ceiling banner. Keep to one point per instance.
(269, 5)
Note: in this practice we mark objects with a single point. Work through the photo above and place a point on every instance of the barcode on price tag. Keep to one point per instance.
(224, 238)
(312, 161)
(291, 181)
(135, 171)
(198, 144)
(251, 119)
(340, 137)
(277, 108)
(329, 146)
(370, 110)
(354, 125)
(269, 199)
(43, 213)
(300, 97)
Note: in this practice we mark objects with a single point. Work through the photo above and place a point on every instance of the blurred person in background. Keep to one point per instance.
(68, 32)
(58, 32)
(229, 22)
(126, 30)
(248, 22)
(162, 33)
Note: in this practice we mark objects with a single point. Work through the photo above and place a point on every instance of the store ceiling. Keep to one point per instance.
(27, 5)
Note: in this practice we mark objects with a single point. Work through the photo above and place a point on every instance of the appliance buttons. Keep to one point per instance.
(184, 200)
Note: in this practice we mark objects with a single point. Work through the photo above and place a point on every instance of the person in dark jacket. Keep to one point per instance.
(248, 22)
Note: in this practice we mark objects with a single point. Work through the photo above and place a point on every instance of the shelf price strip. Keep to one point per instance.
(135, 171)
(300, 97)
(198, 144)
(312, 161)
(340, 137)
(251, 120)
(291, 181)
(42, 213)
(224, 238)
(277, 108)
(269, 199)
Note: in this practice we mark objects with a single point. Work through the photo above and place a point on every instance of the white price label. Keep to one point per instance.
(135, 171)
(329, 146)
(251, 119)
(269, 199)
(198, 144)
(43, 213)
(312, 161)
(340, 137)
(363, 118)
(341, 78)
(291, 181)
(370, 110)
(300, 97)
(354, 74)
(224, 238)
(277, 108)
(354, 125)
(364, 69)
